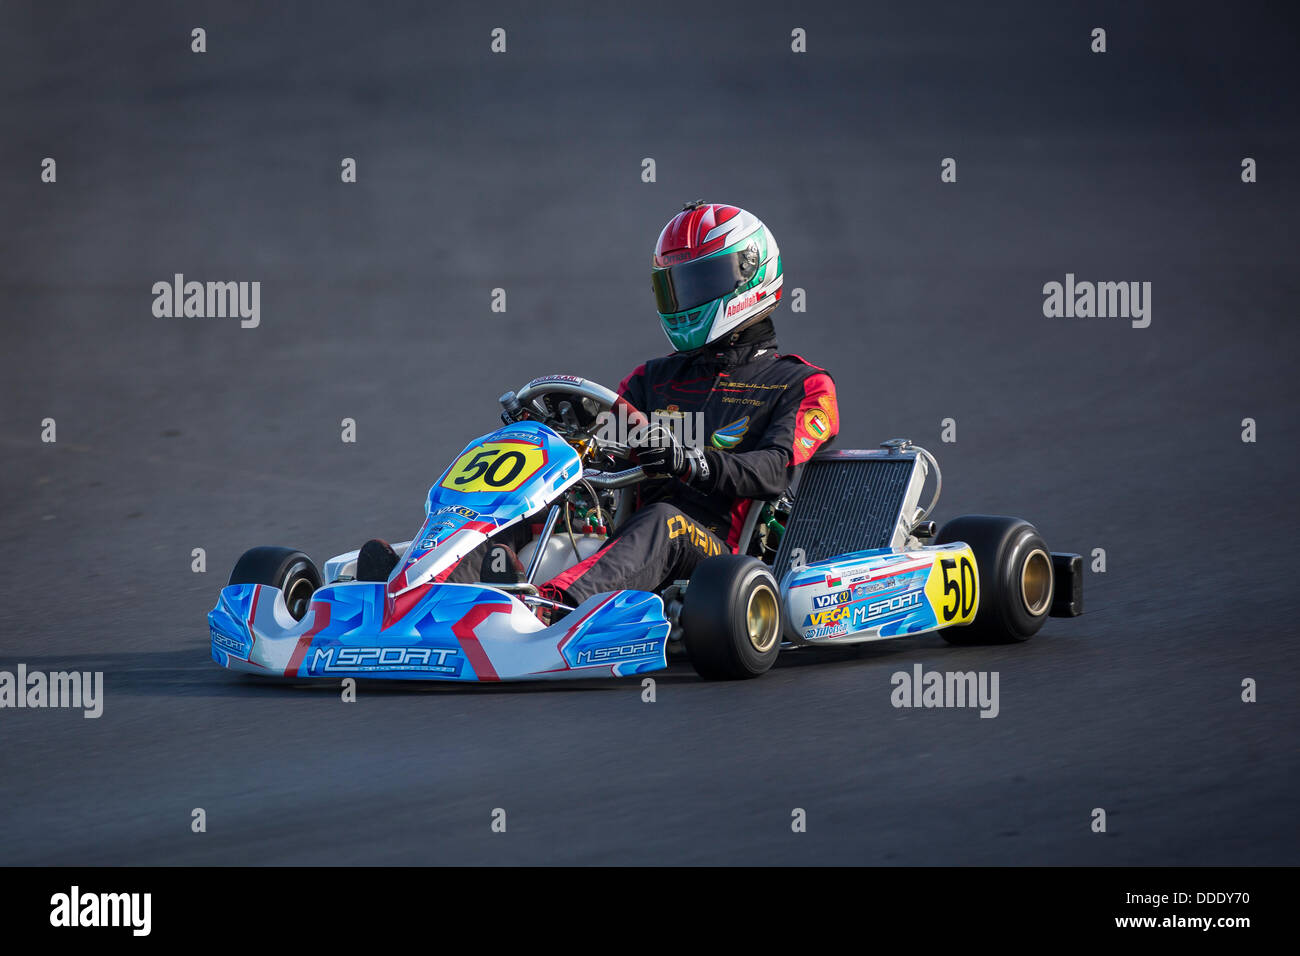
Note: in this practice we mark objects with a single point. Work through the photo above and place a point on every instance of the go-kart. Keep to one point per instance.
(856, 557)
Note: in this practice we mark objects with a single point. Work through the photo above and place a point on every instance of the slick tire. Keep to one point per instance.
(295, 574)
(731, 618)
(1015, 579)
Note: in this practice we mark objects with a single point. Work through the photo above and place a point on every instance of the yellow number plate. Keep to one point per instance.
(495, 466)
(953, 587)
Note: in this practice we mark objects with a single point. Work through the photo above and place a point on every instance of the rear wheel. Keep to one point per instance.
(291, 571)
(731, 618)
(1015, 575)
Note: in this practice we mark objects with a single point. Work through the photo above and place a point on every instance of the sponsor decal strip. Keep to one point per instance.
(252, 634)
(887, 572)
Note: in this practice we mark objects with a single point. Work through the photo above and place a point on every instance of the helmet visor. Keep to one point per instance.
(691, 284)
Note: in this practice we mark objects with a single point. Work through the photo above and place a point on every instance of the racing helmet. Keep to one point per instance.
(716, 269)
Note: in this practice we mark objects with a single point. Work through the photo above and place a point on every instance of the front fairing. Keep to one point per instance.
(416, 627)
(494, 482)
(462, 632)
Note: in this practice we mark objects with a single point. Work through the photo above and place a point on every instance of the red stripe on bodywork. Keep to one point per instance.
(398, 607)
(400, 581)
(252, 613)
(888, 572)
(464, 631)
(318, 624)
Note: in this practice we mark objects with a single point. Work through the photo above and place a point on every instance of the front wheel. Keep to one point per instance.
(1015, 575)
(731, 618)
(295, 574)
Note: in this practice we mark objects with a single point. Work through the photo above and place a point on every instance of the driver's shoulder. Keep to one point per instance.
(799, 367)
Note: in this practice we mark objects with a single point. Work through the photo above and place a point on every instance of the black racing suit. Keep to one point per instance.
(761, 414)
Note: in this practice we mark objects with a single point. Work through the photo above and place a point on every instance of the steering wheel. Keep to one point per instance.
(578, 410)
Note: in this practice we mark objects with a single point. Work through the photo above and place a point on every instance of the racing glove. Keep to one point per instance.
(672, 461)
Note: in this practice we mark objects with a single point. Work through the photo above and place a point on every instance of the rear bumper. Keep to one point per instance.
(1067, 593)
(454, 632)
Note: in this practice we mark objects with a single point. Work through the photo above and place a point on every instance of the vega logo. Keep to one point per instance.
(832, 615)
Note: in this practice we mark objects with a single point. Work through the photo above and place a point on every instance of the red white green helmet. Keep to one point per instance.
(716, 270)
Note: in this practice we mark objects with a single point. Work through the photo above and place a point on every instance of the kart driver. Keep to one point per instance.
(716, 275)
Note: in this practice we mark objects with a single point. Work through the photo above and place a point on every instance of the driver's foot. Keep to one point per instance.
(550, 615)
(376, 560)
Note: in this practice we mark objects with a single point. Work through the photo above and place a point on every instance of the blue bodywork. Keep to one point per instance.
(416, 627)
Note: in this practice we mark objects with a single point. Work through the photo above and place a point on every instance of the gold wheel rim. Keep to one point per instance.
(761, 618)
(1036, 582)
(298, 597)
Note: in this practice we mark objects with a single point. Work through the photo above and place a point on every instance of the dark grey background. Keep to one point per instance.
(523, 171)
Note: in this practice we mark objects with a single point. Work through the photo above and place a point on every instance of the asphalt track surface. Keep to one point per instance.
(522, 171)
